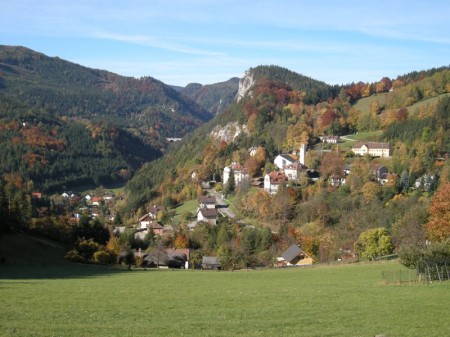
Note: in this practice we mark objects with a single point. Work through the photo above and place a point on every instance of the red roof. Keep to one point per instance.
(277, 177)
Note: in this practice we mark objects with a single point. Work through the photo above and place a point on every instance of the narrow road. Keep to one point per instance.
(222, 206)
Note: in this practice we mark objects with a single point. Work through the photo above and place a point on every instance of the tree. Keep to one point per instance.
(373, 243)
(230, 186)
(438, 226)
(332, 165)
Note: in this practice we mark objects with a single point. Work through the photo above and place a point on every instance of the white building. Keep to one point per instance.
(240, 173)
(273, 180)
(374, 149)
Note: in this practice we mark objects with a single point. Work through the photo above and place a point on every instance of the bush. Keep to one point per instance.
(74, 256)
(102, 257)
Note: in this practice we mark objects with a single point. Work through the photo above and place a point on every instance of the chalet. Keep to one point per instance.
(273, 180)
(374, 149)
(240, 173)
(294, 256)
(208, 215)
(145, 220)
(207, 201)
(282, 160)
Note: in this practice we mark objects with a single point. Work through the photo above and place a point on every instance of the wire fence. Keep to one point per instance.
(429, 274)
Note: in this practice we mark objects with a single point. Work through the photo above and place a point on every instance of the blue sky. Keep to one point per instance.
(179, 42)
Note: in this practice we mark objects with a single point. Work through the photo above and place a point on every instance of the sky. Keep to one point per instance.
(210, 41)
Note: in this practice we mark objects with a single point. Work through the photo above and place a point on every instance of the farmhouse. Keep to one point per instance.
(374, 149)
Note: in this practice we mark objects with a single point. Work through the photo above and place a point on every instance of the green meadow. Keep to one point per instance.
(340, 300)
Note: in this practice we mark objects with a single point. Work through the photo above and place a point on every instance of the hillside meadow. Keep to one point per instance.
(344, 300)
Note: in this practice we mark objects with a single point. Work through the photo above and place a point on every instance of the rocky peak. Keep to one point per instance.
(245, 85)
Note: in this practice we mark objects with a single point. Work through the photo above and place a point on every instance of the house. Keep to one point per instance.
(208, 215)
(207, 201)
(36, 195)
(282, 160)
(155, 210)
(240, 173)
(252, 151)
(156, 228)
(211, 262)
(379, 172)
(109, 195)
(425, 182)
(96, 200)
(294, 256)
(292, 171)
(166, 258)
(145, 220)
(336, 181)
(330, 139)
(88, 197)
(374, 149)
(273, 180)
(68, 194)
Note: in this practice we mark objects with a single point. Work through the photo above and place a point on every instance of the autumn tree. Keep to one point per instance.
(332, 165)
(438, 226)
(373, 243)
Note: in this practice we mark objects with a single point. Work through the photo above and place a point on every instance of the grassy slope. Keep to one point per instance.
(321, 301)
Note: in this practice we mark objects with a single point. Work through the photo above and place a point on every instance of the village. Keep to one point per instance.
(158, 220)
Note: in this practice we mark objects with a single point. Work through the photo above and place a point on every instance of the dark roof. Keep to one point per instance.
(371, 145)
(208, 199)
(288, 157)
(155, 209)
(209, 213)
(291, 253)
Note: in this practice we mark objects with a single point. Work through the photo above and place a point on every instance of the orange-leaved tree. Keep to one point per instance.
(438, 226)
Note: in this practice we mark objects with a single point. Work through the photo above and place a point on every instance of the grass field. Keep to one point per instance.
(350, 300)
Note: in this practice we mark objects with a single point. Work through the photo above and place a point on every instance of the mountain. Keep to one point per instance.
(279, 110)
(260, 103)
(213, 97)
(65, 125)
(63, 88)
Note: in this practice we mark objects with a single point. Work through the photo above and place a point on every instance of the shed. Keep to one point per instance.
(211, 262)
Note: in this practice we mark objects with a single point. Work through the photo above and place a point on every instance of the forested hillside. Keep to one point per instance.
(64, 125)
(62, 88)
(331, 216)
(213, 97)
